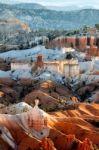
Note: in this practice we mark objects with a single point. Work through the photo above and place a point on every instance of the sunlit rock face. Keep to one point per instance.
(1, 94)
(80, 43)
(86, 144)
(93, 51)
(62, 42)
(92, 41)
(47, 144)
(34, 122)
(68, 129)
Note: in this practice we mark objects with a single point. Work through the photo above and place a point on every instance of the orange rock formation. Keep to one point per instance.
(71, 129)
(80, 43)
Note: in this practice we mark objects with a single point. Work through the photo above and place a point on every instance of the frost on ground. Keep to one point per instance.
(86, 67)
(31, 54)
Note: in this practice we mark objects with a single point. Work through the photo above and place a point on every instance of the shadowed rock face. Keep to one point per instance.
(52, 96)
(71, 129)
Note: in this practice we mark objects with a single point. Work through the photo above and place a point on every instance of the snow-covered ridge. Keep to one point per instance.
(31, 53)
(48, 54)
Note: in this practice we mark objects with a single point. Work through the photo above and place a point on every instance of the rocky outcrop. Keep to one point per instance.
(69, 130)
(81, 43)
(52, 95)
(93, 51)
(47, 144)
(15, 108)
(86, 144)
(89, 90)
(12, 26)
(11, 29)
(46, 101)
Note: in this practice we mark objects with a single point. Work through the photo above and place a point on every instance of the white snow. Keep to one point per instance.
(31, 53)
(4, 73)
(84, 66)
(18, 108)
(64, 50)
(48, 54)
(89, 66)
(89, 78)
(49, 75)
(18, 74)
